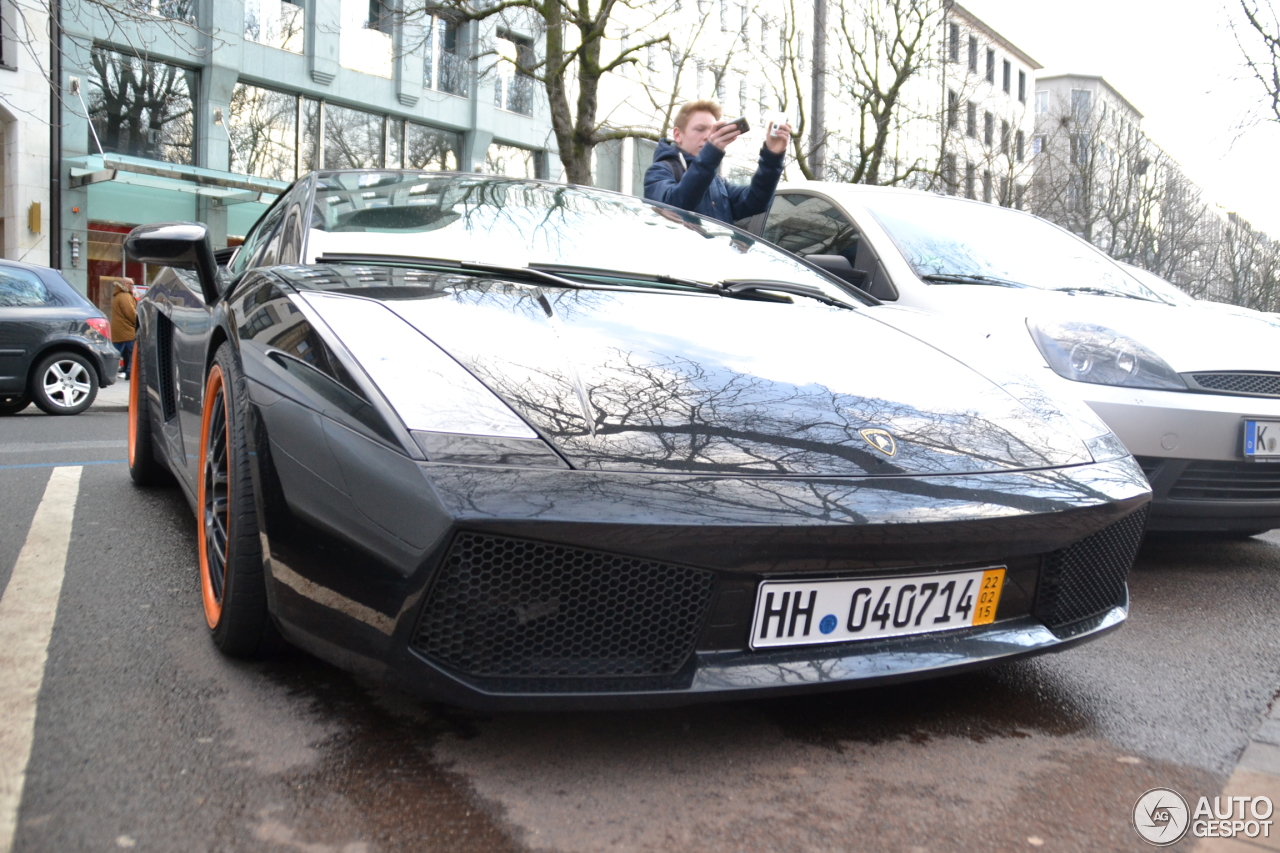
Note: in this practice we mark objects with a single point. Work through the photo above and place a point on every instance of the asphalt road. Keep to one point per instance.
(145, 738)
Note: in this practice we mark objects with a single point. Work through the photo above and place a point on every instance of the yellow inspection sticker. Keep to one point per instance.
(984, 611)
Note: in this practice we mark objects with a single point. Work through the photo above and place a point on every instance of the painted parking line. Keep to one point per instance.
(63, 464)
(27, 611)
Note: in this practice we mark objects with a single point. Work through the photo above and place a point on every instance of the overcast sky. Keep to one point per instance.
(1178, 63)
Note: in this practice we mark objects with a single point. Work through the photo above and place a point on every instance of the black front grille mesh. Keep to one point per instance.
(1088, 578)
(511, 608)
(1228, 481)
(1258, 384)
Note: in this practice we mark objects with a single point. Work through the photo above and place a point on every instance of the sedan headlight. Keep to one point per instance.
(1084, 352)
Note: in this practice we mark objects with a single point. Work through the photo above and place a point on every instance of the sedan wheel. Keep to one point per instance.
(64, 384)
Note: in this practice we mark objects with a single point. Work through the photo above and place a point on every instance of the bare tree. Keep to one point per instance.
(573, 64)
(1259, 38)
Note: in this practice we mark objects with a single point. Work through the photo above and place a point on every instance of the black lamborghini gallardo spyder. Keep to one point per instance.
(508, 443)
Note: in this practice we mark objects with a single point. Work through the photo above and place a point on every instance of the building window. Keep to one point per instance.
(1004, 191)
(1081, 104)
(142, 108)
(514, 162)
(949, 178)
(1018, 144)
(988, 129)
(513, 89)
(991, 65)
(1037, 144)
(445, 66)
(353, 139)
(724, 16)
(973, 54)
(1080, 149)
(953, 43)
(1004, 138)
(953, 109)
(381, 17)
(1008, 70)
(275, 23)
(430, 148)
(970, 178)
(173, 10)
(1019, 195)
(717, 74)
(1042, 102)
(971, 120)
(986, 186)
(1022, 86)
(263, 127)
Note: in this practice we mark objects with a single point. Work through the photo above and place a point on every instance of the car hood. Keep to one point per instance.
(651, 381)
(1188, 337)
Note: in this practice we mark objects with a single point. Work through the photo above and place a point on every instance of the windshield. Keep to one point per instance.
(1167, 291)
(953, 239)
(519, 223)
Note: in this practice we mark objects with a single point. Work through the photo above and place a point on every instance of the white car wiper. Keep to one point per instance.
(1104, 291)
(761, 288)
(965, 278)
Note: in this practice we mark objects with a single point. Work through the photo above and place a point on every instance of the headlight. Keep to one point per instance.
(426, 387)
(1085, 352)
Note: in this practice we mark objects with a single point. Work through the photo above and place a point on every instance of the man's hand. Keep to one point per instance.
(778, 138)
(724, 134)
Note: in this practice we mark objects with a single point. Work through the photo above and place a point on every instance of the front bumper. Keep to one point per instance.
(1191, 447)
(351, 577)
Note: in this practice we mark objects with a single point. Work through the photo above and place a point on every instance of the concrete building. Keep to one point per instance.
(985, 85)
(203, 110)
(24, 131)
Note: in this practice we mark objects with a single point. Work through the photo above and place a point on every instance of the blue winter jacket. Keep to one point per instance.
(698, 188)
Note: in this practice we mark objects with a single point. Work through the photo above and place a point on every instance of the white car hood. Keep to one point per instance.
(1189, 338)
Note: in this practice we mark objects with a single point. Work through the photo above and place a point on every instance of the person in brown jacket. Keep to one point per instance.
(124, 320)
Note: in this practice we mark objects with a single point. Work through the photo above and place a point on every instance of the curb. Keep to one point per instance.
(1257, 774)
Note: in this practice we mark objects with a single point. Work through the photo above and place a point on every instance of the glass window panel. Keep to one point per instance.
(142, 108)
(352, 138)
(309, 138)
(174, 10)
(361, 48)
(511, 161)
(263, 125)
(452, 74)
(395, 144)
(21, 289)
(429, 148)
(275, 23)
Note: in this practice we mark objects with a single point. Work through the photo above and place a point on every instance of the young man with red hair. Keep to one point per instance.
(685, 172)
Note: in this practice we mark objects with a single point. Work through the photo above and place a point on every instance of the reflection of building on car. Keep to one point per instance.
(1180, 383)
(562, 475)
(55, 347)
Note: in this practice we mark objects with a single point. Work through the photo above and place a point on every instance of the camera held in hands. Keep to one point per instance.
(740, 123)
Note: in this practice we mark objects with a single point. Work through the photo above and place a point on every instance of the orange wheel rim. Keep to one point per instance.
(213, 497)
(133, 406)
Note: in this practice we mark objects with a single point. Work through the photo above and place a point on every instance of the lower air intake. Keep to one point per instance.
(511, 608)
(1088, 578)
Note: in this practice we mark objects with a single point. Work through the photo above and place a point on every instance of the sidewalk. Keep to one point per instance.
(113, 398)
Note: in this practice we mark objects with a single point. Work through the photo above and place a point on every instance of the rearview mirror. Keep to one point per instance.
(181, 245)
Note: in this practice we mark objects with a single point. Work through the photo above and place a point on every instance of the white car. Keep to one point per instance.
(1193, 393)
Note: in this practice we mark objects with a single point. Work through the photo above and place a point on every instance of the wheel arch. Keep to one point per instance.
(67, 345)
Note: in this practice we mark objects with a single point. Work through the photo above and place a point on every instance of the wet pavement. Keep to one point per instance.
(147, 739)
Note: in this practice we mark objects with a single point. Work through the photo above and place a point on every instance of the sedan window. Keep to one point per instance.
(808, 225)
(22, 289)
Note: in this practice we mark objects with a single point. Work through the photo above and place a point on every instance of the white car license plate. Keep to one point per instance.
(797, 613)
(1262, 438)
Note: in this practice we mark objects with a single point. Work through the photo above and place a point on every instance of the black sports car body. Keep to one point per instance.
(516, 444)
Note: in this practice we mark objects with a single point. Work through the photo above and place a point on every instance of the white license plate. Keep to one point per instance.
(797, 613)
(1262, 438)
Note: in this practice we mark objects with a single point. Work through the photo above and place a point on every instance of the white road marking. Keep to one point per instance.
(27, 611)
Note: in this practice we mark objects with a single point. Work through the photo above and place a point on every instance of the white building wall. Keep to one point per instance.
(24, 129)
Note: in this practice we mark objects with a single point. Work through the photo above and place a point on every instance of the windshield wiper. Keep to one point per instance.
(464, 266)
(964, 278)
(636, 277)
(1103, 291)
(759, 288)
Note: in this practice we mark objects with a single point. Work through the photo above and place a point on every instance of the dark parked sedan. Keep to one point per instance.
(55, 346)
(516, 444)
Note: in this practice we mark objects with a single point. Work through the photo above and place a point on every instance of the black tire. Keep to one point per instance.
(232, 584)
(14, 404)
(145, 467)
(64, 383)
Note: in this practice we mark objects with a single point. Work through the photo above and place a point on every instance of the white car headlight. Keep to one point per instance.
(426, 387)
(1085, 352)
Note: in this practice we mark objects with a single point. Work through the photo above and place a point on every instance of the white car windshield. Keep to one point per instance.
(951, 241)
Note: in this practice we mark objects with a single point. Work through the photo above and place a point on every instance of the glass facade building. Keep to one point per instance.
(205, 110)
